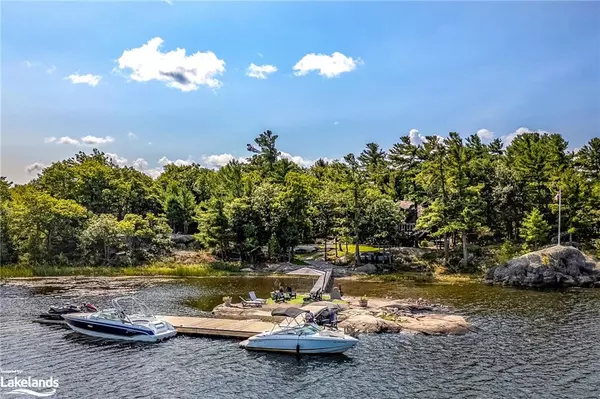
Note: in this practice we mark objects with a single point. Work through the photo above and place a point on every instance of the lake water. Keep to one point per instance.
(529, 344)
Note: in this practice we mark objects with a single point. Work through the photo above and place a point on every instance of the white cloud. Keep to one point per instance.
(120, 161)
(297, 159)
(415, 137)
(154, 173)
(35, 167)
(260, 71)
(507, 139)
(132, 136)
(485, 135)
(140, 164)
(30, 64)
(336, 123)
(179, 162)
(169, 2)
(174, 68)
(65, 140)
(93, 140)
(216, 161)
(88, 79)
(51, 69)
(327, 65)
(87, 140)
(259, 54)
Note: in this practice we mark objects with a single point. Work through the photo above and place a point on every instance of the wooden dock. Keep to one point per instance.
(217, 327)
(207, 326)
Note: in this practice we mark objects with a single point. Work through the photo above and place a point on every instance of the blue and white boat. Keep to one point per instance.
(299, 337)
(129, 319)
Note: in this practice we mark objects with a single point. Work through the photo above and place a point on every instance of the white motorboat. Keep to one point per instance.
(129, 319)
(299, 337)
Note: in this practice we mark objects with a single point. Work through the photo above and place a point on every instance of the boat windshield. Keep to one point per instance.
(109, 314)
(308, 329)
(132, 306)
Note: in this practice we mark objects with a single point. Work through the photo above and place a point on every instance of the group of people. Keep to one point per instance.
(283, 295)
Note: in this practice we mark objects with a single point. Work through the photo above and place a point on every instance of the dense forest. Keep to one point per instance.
(87, 210)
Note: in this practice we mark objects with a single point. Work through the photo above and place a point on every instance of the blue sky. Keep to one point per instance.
(431, 66)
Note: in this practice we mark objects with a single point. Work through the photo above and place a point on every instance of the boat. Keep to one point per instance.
(56, 312)
(128, 319)
(299, 336)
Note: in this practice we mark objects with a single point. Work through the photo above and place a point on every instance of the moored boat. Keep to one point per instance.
(299, 336)
(129, 319)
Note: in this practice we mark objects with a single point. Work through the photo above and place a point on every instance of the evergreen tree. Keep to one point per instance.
(535, 229)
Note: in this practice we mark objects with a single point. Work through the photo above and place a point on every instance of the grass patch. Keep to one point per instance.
(157, 269)
(299, 300)
(418, 277)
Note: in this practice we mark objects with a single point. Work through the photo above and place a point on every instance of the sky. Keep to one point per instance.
(162, 82)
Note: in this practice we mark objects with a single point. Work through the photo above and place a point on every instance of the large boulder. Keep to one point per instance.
(557, 266)
(368, 269)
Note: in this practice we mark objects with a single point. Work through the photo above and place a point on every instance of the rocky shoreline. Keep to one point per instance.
(379, 316)
(557, 266)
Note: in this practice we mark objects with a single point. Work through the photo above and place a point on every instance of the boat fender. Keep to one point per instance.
(298, 349)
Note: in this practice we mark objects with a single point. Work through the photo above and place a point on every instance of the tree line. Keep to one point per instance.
(88, 210)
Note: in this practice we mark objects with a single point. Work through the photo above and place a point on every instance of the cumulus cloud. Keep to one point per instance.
(65, 140)
(326, 65)
(174, 68)
(507, 139)
(216, 161)
(87, 140)
(118, 160)
(297, 159)
(485, 135)
(179, 162)
(93, 140)
(415, 137)
(260, 71)
(140, 164)
(35, 167)
(132, 136)
(88, 79)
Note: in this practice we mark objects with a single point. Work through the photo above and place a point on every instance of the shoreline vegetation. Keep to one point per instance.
(214, 269)
(430, 207)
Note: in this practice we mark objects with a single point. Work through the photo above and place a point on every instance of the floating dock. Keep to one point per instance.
(217, 327)
(207, 326)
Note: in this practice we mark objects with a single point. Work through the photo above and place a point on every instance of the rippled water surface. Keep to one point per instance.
(529, 344)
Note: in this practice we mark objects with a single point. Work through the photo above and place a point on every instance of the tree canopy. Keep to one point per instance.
(89, 210)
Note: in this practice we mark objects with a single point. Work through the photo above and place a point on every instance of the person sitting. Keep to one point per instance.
(290, 292)
(309, 318)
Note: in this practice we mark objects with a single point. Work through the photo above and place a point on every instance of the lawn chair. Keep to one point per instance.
(278, 296)
(315, 295)
(290, 293)
(251, 304)
(254, 298)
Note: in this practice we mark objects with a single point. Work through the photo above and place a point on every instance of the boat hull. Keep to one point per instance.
(111, 331)
(300, 346)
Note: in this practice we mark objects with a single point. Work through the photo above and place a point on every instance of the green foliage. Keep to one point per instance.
(89, 210)
(43, 228)
(535, 229)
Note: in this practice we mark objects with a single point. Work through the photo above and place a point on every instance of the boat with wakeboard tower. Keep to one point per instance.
(128, 319)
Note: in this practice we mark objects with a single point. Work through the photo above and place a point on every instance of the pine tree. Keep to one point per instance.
(535, 229)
